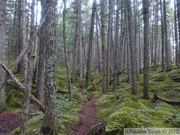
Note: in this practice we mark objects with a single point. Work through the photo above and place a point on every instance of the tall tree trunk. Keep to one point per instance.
(98, 47)
(132, 47)
(24, 29)
(103, 46)
(162, 38)
(65, 52)
(19, 36)
(80, 46)
(2, 50)
(77, 41)
(178, 18)
(30, 65)
(40, 58)
(146, 48)
(109, 39)
(89, 60)
(50, 122)
(177, 60)
(136, 35)
(116, 45)
(167, 53)
(156, 39)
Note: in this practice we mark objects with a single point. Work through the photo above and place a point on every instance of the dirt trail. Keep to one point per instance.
(88, 118)
(8, 122)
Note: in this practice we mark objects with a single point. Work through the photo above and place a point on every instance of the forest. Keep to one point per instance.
(89, 67)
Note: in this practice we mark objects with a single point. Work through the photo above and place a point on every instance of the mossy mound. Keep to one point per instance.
(123, 110)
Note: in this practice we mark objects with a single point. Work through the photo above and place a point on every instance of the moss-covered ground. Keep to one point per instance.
(117, 109)
(121, 109)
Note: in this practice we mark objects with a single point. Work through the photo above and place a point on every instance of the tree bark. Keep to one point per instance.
(162, 38)
(103, 46)
(178, 18)
(2, 51)
(116, 46)
(167, 53)
(40, 59)
(109, 39)
(156, 39)
(146, 48)
(177, 60)
(28, 72)
(89, 60)
(65, 52)
(132, 48)
(50, 122)
(136, 35)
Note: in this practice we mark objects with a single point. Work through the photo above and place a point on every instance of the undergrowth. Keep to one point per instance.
(67, 110)
(119, 109)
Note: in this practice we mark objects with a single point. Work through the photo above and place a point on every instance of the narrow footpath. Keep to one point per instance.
(88, 118)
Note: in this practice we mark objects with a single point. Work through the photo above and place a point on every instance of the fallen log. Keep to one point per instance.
(21, 86)
(156, 97)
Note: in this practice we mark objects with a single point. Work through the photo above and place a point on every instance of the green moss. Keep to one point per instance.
(121, 109)
(96, 94)
(78, 97)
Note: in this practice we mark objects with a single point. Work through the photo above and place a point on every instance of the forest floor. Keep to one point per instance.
(88, 118)
(91, 112)
(8, 122)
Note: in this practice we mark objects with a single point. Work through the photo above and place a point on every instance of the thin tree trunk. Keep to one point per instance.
(146, 48)
(89, 60)
(132, 47)
(103, 46)
(2, 51)
(116, 46)
(155, 64)
(136, 35)
(177, 61)
(162, 38)
(29, 74)
(65, 52)
(178, 18)
(167, 55)
(80, 45)
(40, 61)
(98, 47)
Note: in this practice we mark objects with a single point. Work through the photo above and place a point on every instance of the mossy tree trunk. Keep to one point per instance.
(50, 123)
(2, 50)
